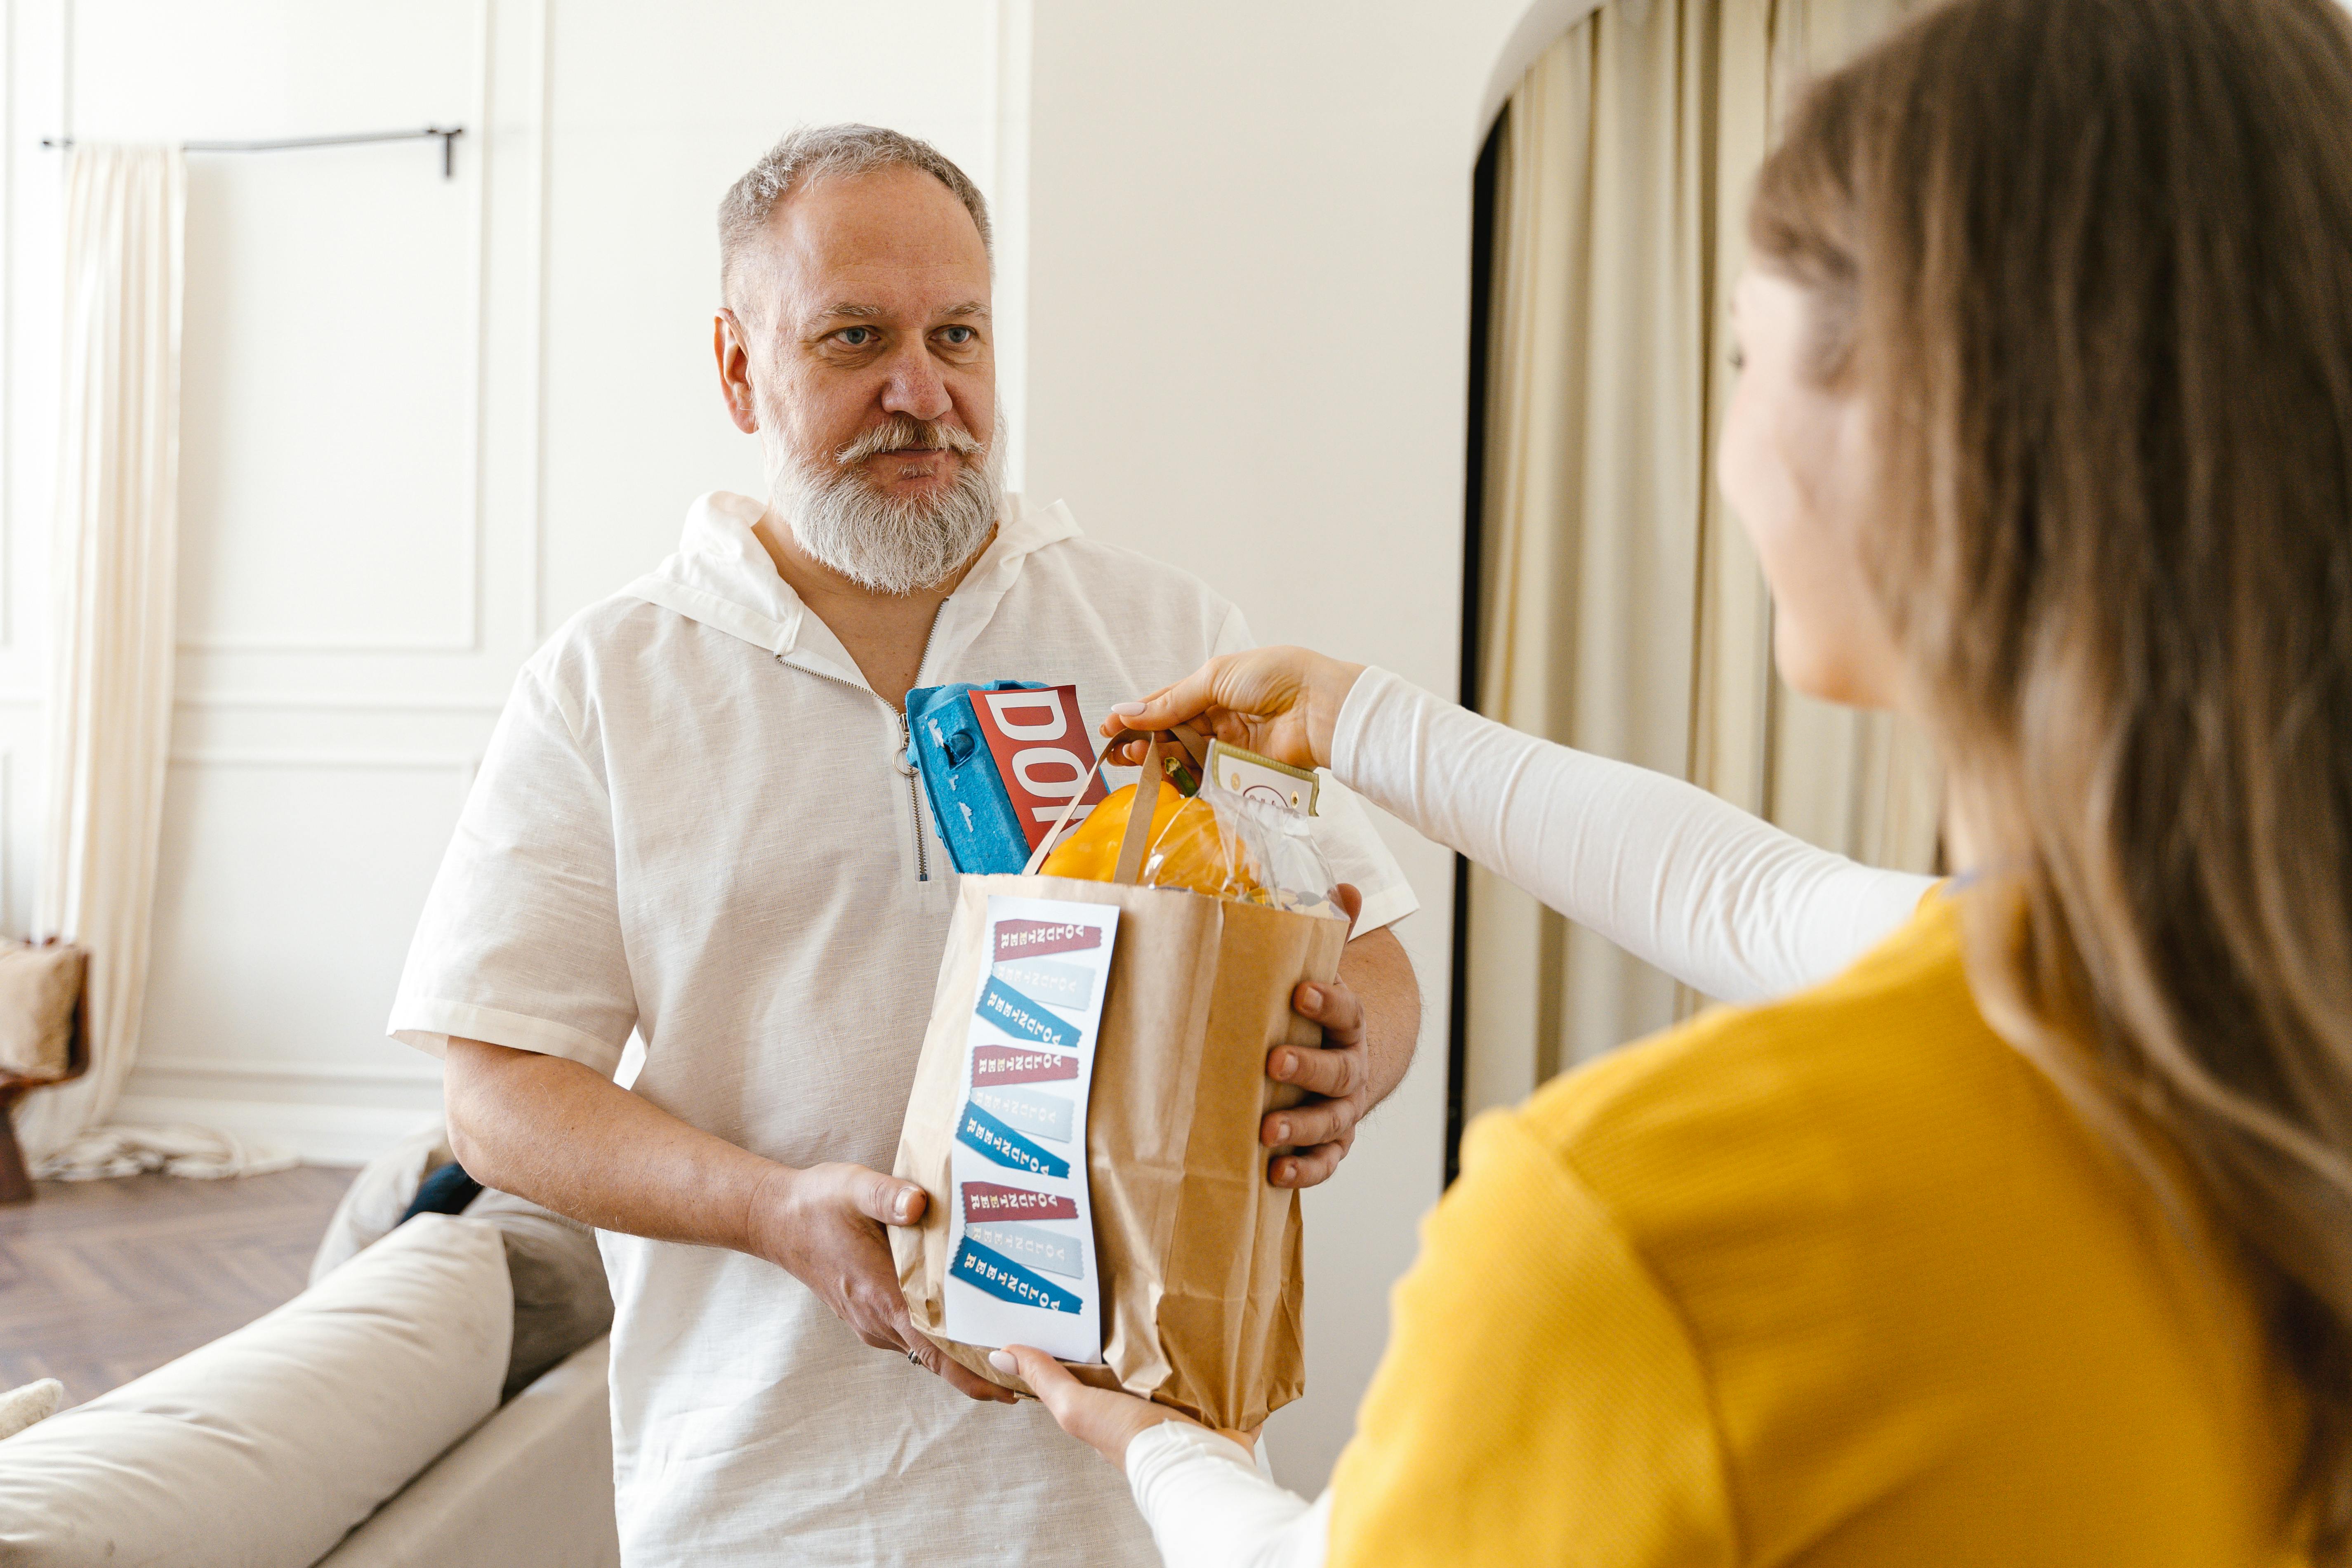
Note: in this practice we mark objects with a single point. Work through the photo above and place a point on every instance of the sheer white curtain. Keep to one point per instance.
(1623, 611)
(113, 576)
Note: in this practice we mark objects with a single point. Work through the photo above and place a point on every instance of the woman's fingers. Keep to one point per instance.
(1171, 705)
(1279, 702)
(1102, 1418)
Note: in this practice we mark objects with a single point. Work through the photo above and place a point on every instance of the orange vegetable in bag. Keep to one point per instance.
(1090, 851)
(1184, 849)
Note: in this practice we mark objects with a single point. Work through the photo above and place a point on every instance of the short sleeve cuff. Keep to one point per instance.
(428, 1023)
(1386, 907)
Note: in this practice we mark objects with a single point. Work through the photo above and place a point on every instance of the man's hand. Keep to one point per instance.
(1338, 1079)
(824, 1225)
(1367, 1038)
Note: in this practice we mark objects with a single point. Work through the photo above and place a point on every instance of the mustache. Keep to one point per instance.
(903, 432)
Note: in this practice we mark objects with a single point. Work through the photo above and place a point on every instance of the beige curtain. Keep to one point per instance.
(113, 576)
(1623, 611)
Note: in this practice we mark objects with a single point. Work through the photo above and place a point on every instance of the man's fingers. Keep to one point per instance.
(1334, 1005)
(960, 1378)
(1307, 1167)
(1304, 1126)
(887, 1199)
(1317, 1070)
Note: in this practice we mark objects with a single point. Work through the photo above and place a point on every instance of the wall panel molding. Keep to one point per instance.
(317, 702)
(401, 762)
(321, 1133)
(476, 145)
(272, 1069)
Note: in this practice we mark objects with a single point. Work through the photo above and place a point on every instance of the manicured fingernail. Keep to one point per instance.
(905, 1208)
(1314, 995)
(1282, 1131)
(1002, 1362)
(1287, 1065)
(1128, 710)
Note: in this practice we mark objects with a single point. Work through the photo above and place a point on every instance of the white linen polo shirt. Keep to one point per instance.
(691, 824)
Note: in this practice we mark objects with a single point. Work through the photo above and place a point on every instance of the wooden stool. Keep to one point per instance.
(15, 1181)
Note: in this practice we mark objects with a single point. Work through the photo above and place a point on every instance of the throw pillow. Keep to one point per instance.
(20, 1407)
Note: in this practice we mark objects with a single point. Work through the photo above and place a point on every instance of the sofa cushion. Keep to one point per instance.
(263, 1447)
(562, 1300)
(531, 1488)
(378, 1196)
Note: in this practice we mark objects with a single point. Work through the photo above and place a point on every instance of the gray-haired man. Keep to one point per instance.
(696, 823)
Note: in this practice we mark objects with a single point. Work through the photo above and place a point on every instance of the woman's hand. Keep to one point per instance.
(1280, 702)
(1102, 1418)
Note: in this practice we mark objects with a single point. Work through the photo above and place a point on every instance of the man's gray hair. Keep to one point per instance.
(813, 151)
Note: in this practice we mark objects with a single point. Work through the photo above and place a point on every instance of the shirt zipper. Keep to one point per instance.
(905, 761)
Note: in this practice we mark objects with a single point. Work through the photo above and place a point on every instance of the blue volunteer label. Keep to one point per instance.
(978, 1129)
(1022, 1018)
(1000, 1276)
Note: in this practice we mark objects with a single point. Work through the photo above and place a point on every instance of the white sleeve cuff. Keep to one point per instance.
(428, 1023)
(1209, 1507)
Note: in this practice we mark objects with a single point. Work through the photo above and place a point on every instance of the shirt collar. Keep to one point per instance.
(722, 576)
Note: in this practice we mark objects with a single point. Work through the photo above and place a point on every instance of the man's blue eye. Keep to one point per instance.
(959, 334)
(856, 337)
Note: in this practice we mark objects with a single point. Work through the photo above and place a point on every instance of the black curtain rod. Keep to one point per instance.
(448, 135)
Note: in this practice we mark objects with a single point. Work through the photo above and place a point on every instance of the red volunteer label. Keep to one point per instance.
(1043, 753)
(986, 1201)
(1011, 1064)
(1021, 939)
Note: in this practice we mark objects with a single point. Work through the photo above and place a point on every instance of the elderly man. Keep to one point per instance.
(697, 823)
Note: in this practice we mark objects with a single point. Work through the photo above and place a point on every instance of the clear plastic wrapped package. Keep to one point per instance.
(1232, 847)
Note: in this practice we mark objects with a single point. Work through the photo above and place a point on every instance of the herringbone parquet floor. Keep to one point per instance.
(101, 1281)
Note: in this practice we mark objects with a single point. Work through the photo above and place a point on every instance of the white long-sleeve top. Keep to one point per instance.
(1720, 899)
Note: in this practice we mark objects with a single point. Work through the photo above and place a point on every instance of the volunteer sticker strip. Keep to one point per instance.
(1053, 981)
(1022, 1018)
(1033, 1110)
(986, 1201)
(1007, 1064)
(1021, 1257)
(1031, 939)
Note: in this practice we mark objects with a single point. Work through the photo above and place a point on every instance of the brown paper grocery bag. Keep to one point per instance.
(1197, 1254)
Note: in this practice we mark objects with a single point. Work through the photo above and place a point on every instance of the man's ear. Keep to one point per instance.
(730, 344)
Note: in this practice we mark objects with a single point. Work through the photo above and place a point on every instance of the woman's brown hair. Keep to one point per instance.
(2090, 263)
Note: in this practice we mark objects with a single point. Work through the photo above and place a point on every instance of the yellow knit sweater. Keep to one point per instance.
(1838, 1280)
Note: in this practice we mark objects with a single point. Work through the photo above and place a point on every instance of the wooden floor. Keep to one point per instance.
(101, 1281)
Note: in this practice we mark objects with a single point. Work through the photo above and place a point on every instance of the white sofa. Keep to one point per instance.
(360, 1426)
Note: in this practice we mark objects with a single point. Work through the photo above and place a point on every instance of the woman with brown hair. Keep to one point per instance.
(2028, 1238)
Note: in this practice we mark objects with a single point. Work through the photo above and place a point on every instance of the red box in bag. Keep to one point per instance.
(1043, 752)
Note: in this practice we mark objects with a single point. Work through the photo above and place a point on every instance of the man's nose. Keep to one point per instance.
(915, 387)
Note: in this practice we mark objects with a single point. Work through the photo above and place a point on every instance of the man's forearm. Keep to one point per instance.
(556, 1133)
(1375, 967)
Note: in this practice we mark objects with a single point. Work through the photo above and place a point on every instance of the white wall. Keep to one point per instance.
(1249, 328)
(426, 421)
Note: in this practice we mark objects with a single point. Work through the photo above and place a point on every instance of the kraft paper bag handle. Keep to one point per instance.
(1139, 829)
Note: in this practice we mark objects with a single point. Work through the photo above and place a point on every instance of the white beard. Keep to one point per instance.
(886, 543)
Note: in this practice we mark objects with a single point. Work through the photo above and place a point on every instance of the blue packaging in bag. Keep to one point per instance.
(969, 805)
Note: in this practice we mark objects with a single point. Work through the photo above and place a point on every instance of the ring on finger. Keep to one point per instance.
(915, 1357)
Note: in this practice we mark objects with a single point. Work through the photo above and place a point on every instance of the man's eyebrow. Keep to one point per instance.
(969, 307)
(852, 309)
